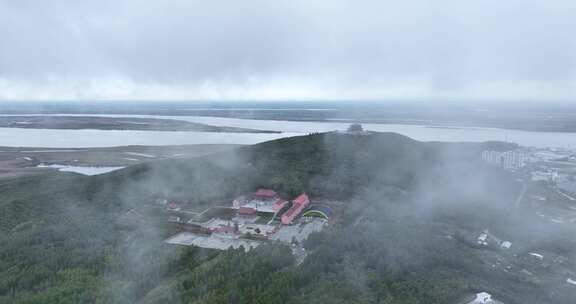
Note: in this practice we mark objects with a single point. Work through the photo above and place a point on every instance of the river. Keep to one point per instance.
(21, 137)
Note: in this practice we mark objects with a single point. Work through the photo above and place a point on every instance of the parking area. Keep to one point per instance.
(299, 231)
(214, 241)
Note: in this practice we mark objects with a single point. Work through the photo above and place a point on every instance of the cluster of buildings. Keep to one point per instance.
(510, 160)
(557, 167)
(251, 219)
(549, 176)
(263, 200)
(268, 201)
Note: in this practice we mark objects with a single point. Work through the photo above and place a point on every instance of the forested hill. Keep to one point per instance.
(321, 164)
(68, 238)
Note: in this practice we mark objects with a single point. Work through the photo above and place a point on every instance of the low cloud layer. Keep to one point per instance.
(258, 49)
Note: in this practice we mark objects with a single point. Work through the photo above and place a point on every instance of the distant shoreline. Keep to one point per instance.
(114, 123)
(525, 117)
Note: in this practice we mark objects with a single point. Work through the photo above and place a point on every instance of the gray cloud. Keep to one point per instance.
(259, 48)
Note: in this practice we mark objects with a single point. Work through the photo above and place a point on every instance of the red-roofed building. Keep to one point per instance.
(298, 205)
(246, 211)
(302, 199)
(265, 193)
(279, 204)
(225, 229)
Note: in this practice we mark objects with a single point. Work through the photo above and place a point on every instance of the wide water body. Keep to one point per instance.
(16, 137)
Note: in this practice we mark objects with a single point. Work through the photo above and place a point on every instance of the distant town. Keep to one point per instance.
(548, 178)
(553, 167)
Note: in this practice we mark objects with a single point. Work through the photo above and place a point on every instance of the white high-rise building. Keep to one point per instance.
(510, 160)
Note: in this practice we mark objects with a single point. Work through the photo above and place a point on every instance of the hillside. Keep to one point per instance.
(68, 238)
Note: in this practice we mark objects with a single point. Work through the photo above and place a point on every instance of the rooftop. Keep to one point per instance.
(301, 199)
(265, 193)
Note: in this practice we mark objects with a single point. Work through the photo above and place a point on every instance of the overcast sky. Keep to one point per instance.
(288, 49)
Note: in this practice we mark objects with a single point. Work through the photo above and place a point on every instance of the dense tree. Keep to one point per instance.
(66, 238)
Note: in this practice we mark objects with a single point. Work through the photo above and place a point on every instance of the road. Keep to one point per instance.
(521, 196)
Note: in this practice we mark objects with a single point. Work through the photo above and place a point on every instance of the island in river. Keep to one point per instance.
(115, 123)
